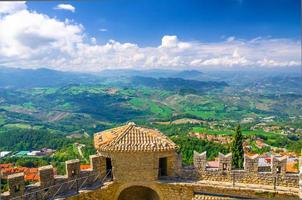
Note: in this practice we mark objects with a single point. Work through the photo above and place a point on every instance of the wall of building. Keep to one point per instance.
(129, 166)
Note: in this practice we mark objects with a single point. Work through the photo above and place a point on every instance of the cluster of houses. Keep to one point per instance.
(34, 153)
(222, 139)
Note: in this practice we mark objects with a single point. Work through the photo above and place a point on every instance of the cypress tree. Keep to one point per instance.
(237, 149)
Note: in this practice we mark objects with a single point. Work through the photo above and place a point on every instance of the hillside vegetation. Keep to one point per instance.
(41, 113)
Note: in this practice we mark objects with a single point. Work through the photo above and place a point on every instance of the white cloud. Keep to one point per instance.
(230, 39)
(7, 7)
(93, 40)
(171, 41)
(65, 7)
(28, 40)
(103, 30)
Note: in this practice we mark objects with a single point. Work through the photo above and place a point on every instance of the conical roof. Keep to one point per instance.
(131, 138)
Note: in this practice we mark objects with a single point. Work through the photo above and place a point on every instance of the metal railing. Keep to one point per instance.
(70, 184)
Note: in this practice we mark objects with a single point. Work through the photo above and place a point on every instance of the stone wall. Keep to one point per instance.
(141, 169)
(50, 185)
(167, 190)
(134, 166)
(241, 193)
(164, 190)
(250, 174)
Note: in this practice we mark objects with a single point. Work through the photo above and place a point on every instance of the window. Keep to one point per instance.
(278, 169)
(108, 167)
(224, 166)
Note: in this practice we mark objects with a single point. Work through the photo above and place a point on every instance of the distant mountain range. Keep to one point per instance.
(177, 84)
(155, 73)
(27, 78)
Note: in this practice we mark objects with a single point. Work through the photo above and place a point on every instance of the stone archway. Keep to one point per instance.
(138, 193)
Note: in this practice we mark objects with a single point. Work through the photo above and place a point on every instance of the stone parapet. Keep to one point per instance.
(250, 174)
(51, 185)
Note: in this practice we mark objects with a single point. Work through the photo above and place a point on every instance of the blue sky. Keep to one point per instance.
(144, 22)
(142, 34)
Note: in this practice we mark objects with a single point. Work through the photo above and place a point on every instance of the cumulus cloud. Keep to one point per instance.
(171, 41)
(28, 40)
(7, 7)
(65, 7)
(93, 40)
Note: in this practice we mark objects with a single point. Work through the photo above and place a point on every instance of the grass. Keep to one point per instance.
(85, 89)
(153, 107)
(202, 114)
(65, 106)
(259, 133)
(2, 120)
(29, 106)
(18, 125)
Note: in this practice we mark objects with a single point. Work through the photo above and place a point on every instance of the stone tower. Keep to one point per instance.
(136, 156)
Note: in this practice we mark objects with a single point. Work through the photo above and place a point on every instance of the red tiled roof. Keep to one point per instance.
(83, 167)
(30, 172)
(7, 165)
(292, 167)
(131, 138)
(31, 177)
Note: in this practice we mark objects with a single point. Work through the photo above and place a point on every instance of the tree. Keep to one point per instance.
(237, 149)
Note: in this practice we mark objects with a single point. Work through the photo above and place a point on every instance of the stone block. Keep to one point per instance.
(200, 160)
(46, 175)
(72, 168)
(251, 163)
(225, 162)
(16, 184)
(95, 163)
(279, 165)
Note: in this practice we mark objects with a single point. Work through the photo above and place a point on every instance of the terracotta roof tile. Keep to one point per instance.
(131, 138)
(8, 165)
(292, 167)
(83, 167)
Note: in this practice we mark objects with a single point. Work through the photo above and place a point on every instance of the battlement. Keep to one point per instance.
(50, 185)
(250, 174)
(202, 173)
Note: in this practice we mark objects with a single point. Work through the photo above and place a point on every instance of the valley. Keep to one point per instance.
(58, 115)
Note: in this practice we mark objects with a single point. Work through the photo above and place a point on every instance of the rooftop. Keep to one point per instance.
(131, 138)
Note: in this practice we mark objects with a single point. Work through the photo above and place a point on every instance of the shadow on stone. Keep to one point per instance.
(138, 193)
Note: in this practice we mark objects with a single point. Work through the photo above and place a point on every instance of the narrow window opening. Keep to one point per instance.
(109, 167)
(224, 166)
(162, 170)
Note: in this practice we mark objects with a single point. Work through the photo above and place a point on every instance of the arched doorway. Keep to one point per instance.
(138, 193)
